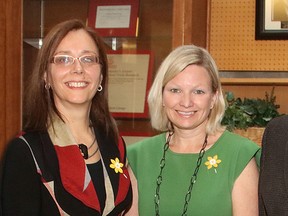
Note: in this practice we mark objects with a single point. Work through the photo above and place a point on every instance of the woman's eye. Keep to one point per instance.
(198, 91)
(88, 59)
(62, 60)
(174, 90)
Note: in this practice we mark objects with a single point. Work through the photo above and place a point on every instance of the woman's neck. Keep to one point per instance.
(187, 141)
(77, 120)
(191, 141)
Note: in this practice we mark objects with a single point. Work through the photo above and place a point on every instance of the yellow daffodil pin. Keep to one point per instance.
(212, 162)
(116, 165)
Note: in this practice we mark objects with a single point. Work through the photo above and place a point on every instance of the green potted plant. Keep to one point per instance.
(243, 114)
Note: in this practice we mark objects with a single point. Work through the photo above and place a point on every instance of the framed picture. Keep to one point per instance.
(114, 18)
(130, 77)
(271, 20)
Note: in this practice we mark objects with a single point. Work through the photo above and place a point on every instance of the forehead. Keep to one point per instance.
(192, 74)
(77, 41)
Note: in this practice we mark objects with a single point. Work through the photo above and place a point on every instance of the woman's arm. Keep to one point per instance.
(245, 191)
(20, 188)
(133, 211)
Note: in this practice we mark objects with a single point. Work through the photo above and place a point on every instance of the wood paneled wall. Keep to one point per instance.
(189, 22)
(189, 26)
(10, 69)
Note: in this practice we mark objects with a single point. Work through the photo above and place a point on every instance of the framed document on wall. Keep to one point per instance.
(114, 18)
(271, 20)
(130, 77)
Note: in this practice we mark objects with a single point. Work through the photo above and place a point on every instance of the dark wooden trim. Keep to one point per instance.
(10, 66)
(190, 22)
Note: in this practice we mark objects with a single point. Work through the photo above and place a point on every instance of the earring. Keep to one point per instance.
(99, 88)
(47, 86)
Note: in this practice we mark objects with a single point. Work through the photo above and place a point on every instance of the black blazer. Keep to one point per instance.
(273, 183)
(32, 197)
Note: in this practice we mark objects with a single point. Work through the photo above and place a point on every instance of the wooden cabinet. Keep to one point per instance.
(162, 27)
(10, 69)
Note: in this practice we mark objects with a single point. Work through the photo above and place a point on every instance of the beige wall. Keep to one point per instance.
(232, 39)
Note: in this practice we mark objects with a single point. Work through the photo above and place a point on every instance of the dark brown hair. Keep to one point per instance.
(39, 101)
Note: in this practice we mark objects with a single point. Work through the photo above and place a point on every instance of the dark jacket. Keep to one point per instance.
(273, 183)
(23, 191)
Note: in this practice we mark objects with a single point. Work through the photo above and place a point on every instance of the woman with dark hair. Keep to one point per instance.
(70, 159)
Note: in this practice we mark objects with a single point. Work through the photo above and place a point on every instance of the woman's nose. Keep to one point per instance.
(78, 67)
(186, 100)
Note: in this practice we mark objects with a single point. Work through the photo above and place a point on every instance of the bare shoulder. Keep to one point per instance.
(245, 191)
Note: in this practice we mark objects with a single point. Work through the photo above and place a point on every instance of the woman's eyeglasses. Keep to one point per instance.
(67, 60)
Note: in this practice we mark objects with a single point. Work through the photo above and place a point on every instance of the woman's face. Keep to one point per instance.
(188, 98)
(77, 83)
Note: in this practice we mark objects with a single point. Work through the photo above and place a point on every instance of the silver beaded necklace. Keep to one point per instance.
(192, 180)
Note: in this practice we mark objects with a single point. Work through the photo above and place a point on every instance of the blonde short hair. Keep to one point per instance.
(174, 64)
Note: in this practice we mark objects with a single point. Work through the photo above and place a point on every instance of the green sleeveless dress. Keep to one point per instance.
(211, 194)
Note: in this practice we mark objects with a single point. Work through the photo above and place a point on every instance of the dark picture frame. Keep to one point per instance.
(265, 27)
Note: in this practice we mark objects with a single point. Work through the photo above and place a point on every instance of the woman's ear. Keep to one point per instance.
(214, 99)
(45, 77)
(101, 79)
(46, 83)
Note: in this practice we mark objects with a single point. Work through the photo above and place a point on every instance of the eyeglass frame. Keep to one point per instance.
(98, 61)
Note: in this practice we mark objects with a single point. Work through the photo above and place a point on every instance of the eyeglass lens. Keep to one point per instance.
(66, 60)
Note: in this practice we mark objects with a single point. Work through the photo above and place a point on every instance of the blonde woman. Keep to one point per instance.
(195, 166)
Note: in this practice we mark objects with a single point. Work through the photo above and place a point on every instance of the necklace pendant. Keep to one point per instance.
(84, 150)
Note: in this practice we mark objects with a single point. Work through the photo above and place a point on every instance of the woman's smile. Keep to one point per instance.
(75, 84)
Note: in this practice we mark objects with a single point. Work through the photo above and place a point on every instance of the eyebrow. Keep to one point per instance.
(69, 52)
